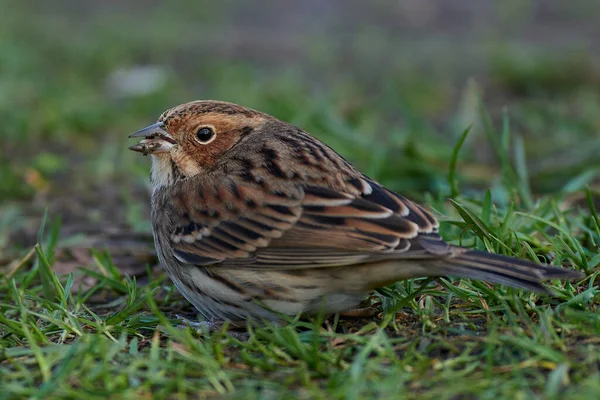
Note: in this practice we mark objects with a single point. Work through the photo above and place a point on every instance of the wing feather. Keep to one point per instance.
(315, 227)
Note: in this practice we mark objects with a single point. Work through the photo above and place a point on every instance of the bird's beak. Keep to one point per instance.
(155, 139)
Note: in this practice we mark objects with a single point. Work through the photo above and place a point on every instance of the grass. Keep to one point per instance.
(87, 313)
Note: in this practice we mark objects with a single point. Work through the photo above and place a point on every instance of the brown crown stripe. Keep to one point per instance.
(204, 107)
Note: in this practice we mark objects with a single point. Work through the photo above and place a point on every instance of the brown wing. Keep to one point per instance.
(295, 226)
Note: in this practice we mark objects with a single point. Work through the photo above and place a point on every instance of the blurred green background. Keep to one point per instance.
(390, 84)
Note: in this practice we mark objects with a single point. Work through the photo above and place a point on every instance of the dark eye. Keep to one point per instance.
(204, 135)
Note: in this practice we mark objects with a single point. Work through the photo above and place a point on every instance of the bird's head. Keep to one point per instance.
(189, 139)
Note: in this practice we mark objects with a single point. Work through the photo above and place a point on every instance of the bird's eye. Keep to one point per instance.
(204, 135)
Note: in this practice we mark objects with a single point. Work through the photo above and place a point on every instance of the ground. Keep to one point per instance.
(487, 112)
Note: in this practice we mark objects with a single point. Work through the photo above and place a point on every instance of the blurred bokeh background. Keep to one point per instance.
(390, 84)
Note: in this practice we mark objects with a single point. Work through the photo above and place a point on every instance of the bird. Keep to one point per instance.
(255, 219)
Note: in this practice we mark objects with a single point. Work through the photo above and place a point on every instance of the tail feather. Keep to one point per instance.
(504, 270)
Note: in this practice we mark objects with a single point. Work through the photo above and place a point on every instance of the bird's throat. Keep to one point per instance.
(163, 171)
(169, 169)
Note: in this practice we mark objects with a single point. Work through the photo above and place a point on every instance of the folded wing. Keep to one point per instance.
(300, 226)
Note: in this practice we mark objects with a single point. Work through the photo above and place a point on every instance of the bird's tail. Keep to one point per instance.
(474, 264)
